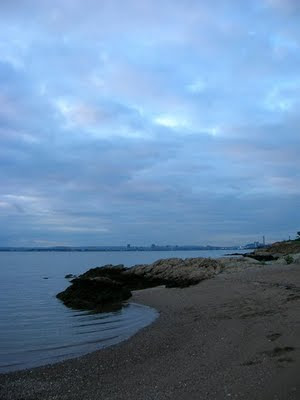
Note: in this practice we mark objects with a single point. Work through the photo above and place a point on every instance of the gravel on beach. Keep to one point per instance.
(236, 336)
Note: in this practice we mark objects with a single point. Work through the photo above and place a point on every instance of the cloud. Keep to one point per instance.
(148, 122)
(284, 5)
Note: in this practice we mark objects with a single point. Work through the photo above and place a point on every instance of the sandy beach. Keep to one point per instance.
(236, 336)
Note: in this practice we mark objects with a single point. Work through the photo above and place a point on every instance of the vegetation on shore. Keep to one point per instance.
(277, 250)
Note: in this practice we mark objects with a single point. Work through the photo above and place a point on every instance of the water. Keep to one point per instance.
(37, 329)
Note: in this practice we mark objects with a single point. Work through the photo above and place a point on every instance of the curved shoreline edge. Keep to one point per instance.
(237, 336)
(144, 315)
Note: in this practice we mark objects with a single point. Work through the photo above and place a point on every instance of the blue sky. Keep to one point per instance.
(149, 121)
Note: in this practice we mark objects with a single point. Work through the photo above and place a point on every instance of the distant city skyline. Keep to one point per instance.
(152, 246)
(130, 248)
(149, 121)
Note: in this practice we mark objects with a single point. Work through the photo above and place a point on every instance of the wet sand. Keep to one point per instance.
(236, 336)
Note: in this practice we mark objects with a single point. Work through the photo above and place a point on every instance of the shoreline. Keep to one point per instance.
(234, 336)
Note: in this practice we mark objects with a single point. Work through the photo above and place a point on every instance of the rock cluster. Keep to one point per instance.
(276, 251)
(110, 284)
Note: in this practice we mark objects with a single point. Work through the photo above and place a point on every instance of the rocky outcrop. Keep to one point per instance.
(110, 285)
(284, 248)
(276, 251)
(70, 276)
(100, 286)
(262, 256)
(235, 264)
(177, 272)
(94, 293)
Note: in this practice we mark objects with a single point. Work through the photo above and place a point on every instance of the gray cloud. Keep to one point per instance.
(146, 122)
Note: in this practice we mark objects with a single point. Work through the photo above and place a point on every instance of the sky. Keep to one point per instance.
(153, 121)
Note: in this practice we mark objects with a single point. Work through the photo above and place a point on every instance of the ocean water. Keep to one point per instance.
(37, 329)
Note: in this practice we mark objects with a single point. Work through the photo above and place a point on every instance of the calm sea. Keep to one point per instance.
(37, 329)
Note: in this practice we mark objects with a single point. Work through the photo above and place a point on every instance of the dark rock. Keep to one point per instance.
(93, 293)
(234, 254)
(70, 276)
(261, 256)
(111, 284)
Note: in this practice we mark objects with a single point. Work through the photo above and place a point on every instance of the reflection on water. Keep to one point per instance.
(49, 337)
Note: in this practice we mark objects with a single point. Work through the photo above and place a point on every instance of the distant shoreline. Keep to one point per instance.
(123, 249)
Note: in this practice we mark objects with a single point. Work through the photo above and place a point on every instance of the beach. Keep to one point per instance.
(234, 336)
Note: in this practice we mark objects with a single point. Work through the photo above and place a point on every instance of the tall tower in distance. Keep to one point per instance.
(264, 240)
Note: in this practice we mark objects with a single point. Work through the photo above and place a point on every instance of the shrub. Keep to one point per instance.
(289, 259)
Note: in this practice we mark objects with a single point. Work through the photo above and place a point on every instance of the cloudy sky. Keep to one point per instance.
(149, 121)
